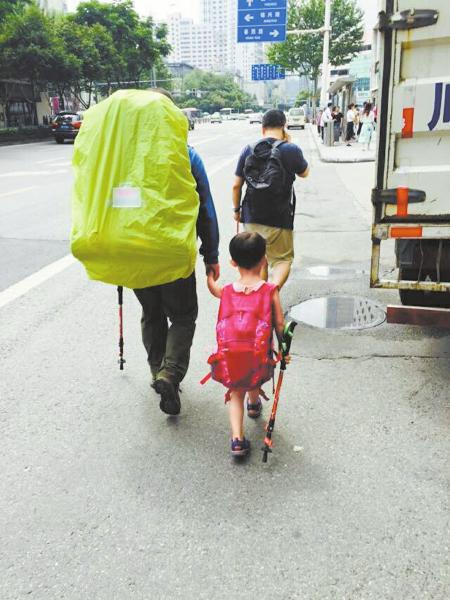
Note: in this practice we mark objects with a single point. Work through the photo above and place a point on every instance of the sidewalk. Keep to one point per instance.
(340, 152)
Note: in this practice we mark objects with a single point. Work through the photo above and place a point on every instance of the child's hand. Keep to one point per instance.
(287, 359)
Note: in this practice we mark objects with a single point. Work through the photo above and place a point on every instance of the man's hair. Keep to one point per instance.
(329, 104)
(274, 119)
(247, 249)
(164, 92)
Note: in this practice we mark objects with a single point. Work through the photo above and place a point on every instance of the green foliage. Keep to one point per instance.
(302, 97)
(217, 91)
(72, 54)
(302, 54)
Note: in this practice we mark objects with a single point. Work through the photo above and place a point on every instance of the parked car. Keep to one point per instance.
(216, 118)
(66, 125)
(255, 118)
(242, 117)
(296, 118)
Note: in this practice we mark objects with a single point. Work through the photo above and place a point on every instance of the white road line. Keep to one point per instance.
(58, 162)
(22, 287)
(35, 173)
(194, 143)
(22, 190)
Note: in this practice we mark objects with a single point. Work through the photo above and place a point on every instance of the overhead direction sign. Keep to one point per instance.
(267, 72)
(262, 20)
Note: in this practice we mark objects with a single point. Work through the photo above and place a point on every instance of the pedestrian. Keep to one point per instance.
(327, 117)
(360, 113)
(367, 126)
(169, 311)
(356, 128)
(350, 118)
(269, 169)
(318, 121)
(244, 359)
(337, 120)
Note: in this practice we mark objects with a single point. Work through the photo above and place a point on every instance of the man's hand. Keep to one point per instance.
(214, 270)
(237, 216)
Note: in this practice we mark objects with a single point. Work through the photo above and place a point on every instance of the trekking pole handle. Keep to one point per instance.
(286, 342)
(120, 294)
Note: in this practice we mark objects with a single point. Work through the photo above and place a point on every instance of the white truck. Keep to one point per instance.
(411, 198)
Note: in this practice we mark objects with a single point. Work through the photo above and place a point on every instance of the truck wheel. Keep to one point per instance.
(419, 298)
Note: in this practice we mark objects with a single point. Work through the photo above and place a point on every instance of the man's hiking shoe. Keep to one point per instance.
(240, 447)
(254, 410)
(170, 398)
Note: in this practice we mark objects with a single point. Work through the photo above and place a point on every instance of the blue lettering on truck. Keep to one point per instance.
(439, 87)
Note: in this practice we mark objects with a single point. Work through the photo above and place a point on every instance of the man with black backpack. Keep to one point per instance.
(269, 168)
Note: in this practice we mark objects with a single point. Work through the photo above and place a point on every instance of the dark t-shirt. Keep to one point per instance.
(294, 163)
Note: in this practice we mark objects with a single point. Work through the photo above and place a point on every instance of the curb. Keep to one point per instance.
(337, 159)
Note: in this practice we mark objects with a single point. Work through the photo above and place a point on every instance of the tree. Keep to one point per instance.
(217, 91)
(29, 52)
(137, 46)
(11, 7)
(302, 54)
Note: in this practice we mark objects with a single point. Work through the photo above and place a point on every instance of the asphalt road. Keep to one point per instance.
(104, 497)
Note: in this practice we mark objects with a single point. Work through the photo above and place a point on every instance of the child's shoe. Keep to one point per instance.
(240, 447)
(254, 410)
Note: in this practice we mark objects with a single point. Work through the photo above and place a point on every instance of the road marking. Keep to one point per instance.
(199, 143)
(55, 161)
(220, 166)
(22, 287)
(22, 190)
(19, 289)
(37, 173)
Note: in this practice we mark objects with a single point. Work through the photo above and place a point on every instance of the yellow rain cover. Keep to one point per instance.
(134, 202)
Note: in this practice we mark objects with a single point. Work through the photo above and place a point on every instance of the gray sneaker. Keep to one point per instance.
(170, 398)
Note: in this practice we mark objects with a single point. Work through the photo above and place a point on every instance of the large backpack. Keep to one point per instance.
(268, 193)
(134, 203)
(244, 357)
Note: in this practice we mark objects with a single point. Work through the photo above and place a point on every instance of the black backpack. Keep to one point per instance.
(268, 193)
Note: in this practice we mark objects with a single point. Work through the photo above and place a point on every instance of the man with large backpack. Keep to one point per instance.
(269, 169)
(141, 198)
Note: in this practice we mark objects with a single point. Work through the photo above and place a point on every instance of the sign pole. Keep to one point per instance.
(326, 51)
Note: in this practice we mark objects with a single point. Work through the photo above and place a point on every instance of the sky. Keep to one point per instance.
(190, 8)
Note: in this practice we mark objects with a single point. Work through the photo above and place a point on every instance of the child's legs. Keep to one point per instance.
(237, 414)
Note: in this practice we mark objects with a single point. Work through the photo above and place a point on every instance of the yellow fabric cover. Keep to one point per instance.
(136, 142)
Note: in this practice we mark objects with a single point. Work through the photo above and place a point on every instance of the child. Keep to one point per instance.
(249, 310)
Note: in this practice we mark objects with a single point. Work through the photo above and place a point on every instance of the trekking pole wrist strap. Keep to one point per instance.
(238, 209)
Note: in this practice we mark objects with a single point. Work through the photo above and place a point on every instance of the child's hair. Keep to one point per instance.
(247, 249)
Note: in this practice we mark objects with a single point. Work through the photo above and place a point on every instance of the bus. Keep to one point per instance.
(228, 113)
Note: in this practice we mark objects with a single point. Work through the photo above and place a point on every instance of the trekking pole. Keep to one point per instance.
(286, 341)
(121, 360)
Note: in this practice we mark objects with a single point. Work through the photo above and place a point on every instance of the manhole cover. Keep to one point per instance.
(338, 312)
(327, 272)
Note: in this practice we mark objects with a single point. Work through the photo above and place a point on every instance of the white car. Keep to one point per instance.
(216, 118)
(296, 118)
(255, 118)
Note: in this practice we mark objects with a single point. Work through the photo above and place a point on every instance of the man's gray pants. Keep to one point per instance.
(169, 313)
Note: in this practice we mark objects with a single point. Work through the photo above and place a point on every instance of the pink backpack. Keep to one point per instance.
(244, 357)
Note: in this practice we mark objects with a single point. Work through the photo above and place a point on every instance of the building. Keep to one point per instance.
(191, 43)
(212, 44)
(53, 5)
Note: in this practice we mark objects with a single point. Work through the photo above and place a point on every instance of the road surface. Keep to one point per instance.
(104, 497)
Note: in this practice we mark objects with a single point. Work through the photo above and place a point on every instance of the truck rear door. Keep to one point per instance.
(412, 194)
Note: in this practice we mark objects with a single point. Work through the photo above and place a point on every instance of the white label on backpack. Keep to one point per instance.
(126, 196)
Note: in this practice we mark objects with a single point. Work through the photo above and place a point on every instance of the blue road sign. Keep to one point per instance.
(250, 18)
(263, 33)
(266, 72)
(258, 4)
(262, 21)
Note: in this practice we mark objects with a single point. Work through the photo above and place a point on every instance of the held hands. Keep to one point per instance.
(213, 271)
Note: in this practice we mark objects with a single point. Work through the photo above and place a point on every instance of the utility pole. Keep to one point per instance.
(326, 50)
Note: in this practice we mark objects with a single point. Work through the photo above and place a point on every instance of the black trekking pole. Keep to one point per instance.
(288, 334)
(121, 360)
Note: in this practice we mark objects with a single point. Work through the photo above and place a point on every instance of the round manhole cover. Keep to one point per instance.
(328, 272)
(338, 312)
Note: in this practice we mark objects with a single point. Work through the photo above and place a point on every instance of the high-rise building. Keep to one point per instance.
(191, 43)
(53, 5)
